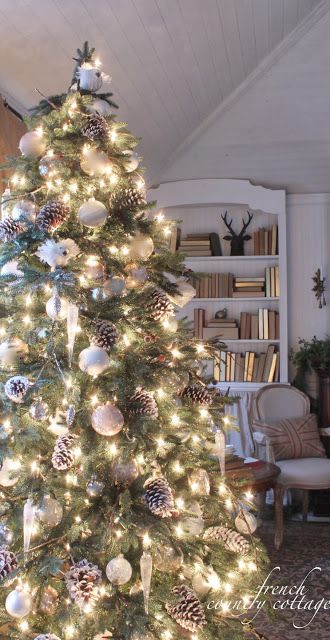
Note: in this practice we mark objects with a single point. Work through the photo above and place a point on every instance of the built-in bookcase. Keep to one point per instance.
(198, 204)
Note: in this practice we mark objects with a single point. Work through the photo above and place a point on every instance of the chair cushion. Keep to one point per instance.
(307, 473)
(293, 437)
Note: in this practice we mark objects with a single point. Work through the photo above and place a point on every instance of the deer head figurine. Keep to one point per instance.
(237, 239)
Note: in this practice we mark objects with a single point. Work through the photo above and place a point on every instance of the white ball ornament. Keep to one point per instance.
(50, 511)
(9, 472)
(114, 286)
(93, 360)
(107, 420)
(92, 213)
(32, 144)
(25, 209)
(246, 522)
(95, 162)
(18, 603)
(132, 161)
(99, 106)
(57, 308)
(171, 325)
(10, 268)
(119, 571)
(141, 247)
(11, 351)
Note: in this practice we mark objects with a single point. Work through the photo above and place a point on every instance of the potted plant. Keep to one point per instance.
(315, 354)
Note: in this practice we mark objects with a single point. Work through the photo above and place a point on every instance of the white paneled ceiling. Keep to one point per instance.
(171, 61)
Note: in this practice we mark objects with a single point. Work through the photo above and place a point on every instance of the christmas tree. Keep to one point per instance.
(115, 519)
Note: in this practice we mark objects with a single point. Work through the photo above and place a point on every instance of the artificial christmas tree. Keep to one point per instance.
(110, 439)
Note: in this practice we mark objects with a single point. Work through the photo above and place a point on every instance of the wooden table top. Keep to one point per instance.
(261, 475)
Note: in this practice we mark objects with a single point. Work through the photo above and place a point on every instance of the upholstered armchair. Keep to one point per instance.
(272, 404)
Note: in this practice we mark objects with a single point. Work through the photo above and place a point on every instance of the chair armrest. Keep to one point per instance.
(264, 449)
(325, 431)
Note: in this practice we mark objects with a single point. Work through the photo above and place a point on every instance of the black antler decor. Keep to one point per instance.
(319, 288)
(237, 239)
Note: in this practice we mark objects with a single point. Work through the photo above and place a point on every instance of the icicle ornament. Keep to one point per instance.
(72, 323)
(146, 573)
(29, 512)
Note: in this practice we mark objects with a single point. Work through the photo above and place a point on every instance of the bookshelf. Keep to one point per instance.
(198, 205)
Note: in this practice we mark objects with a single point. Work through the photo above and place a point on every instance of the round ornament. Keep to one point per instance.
(39, 410)
(11, 269)
(124, 473)
(56, 307)
(94, 269)
(200, 584)
(200, 482)
(9, 473)
(131, 161)
(119, 570)
(95, 162)
(16, 388)
(114, 286)
(47, 636)
(136, 277)
(50, 511)
(167, 558)
(93, 360)
(95, 487)
(90, 78)
(58, 424)
(107, 420)
(24, 209)
(141, 247)
(18, 603)
(100, 106)
(246, 522)
(11, 351)
(171, 325)
(32, 144)
(92, 213)
(48, 165)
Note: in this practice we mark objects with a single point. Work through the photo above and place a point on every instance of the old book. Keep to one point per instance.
(266, 232)
(223, 361)
(222, 323)
(254, 327)
(261, 366)
(248, 294)
(228, 366)
(250, 366)
(267, 286)
(277, 326)
(201, 322)
(272, 368)
(241, 360)
(272, 282)
(230, 285)
(255, 367)
(196, 253)
(225, 333)
(197, 236)
(173, 240)
(242, 334)
(195, 243)
(249, 279)
(232, 366)
(262, 241)
(271, 325)
(217, 276)
(277, 368)
(248, 326)
(196, 323)
(268, 362)
(246, 365)
(266, 325)
(277, 282)
(226, 285)
(215, 244)
(261, 323)
(213, 285)
(256, 243)
(274, 240)
(250, 288)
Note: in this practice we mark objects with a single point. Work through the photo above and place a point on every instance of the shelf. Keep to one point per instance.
(228, 258)
(239, 340)
(232, 299)
(243, 386)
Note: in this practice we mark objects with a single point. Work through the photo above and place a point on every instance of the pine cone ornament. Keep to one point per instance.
(51, 215)
(63, 456)
(8, 562)
(106, 334)
(159, 497)
(9, 229)
(188, 612)
(96, 127)
(82, 582)
(142, 403)
(47, 636)
(232, 540)
(130, 199)
(159, 306)
(197, 394)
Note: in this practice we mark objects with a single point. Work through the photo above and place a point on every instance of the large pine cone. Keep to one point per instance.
(63, 456)
(142, 403)
(159, 497)
(96, 127)
(52, 214)
(130, 199)
(231, 540)
(82, 582)
(106, 334)
(188, 612)
(8, 562)
(159, 306)
(197, 394)
(9, 229)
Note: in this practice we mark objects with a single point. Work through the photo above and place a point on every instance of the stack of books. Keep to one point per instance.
(272, 277)
(226, 329)
(265, 241)
(248, 366)
(263, 325)
(248, 287)
(199, 323)
(214, 285)
(200, 245)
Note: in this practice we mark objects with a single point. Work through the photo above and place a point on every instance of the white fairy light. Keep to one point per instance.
(200, 348)
(175, 419)
(113, 136)
(222, 489)
(78, 519)
(179, 531)
(24, 626)
(27, 319)
(177, 467)
(113, 249)
(228, 587)
(204, 413)
(160, 217)
(94, 400)
(73, 187)
(146, 540)
(180, 503)
(70, 630)
(28, 300)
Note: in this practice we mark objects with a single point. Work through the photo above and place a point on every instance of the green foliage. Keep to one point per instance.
(312, 354)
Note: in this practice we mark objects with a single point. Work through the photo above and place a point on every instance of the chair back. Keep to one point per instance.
(275, 402)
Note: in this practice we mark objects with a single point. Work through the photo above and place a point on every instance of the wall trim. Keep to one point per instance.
(299, 199)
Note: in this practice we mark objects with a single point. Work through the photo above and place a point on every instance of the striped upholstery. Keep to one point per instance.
(293, 437)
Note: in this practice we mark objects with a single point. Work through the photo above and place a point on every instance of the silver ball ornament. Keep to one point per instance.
(107, 420)
(95, 487)
(9, 472)
(48, 164)
(6, 535)
(50, 511)
(93, 360)
(167, 558)
(39, 410)
(99, 106)
(92, 213)
(119, 571)
(24, 209)
(32, 144)
(114, 286)
(16, 388)
(136, 277)
(141, 247)
(245, 522)
(124, 473)
(57, 307)
(131, 161)
(18, 603)
(11, 351)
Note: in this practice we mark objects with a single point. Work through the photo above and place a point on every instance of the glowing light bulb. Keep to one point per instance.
(125, 250)
(28, 300)
(160, 217)
(222, 489)
(175, 353)
(24, 626)
(200, 348)
(113, 179)
(160, 393)
(160, 442)
(179, 531)
(213, 580)
(249, 495)
(78, 519)
(228, 587)
(225, 607)
(97, 62)
(73, 187)
(204, 413)
(126, 340)
(94, 400)
(113, 450)
(180, 503)
(2, 331)
(146, 540)
(175, 420)
(167, 231)
(65, 126)
(113, 249)
(39, 131)
(27, 320)
(69, 630)
(113, 136)
(66, 197)
(226, 420)
(252, 566)
(177, 467)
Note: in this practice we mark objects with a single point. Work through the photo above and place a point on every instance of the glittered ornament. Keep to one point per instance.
(70, 415)
(107, 420)
(200, 482)
(12, 351)
(50, 511)
(94, 269)
(32, 145)
(19, 603)
(8, 563)
(48, 165)
(52, 215)
(246, 522)
(58, 423)
(167, 559)
(49, 601)
(95, 162)
(99, 106)
(93, 360)
(57, 254)
(95, 487)
(131, 160)
(124, 473)
(136, 277)
(9, 472)
(92, 213)
(39, 410)
(114, 286)
(24, 210)
(192, 524)
(16, 388)
(118, 570)
(141, 247)
(56, 307)
(200, 584)
(9, 229)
